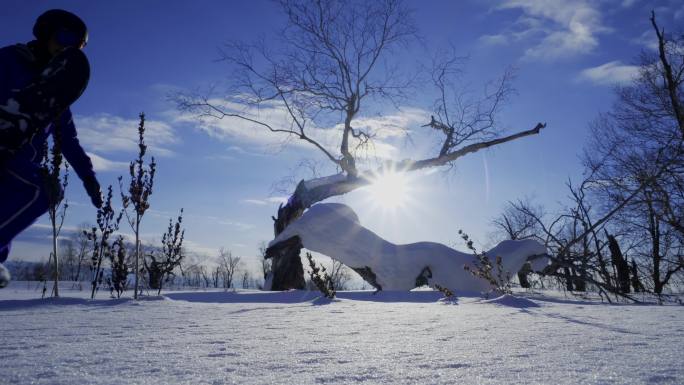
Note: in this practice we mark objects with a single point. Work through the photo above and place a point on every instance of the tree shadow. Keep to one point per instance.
(582, 322)
(512, 301)
(15, 304)
(301, 296)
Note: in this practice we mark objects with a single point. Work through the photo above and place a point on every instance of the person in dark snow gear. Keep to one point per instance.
(38, 82)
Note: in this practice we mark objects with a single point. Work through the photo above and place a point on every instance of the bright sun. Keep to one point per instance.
(390, 190)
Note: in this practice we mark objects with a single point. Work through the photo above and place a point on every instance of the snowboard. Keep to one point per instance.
(30, 109)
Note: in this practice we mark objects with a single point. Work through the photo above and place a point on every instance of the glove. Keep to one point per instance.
(92, 187)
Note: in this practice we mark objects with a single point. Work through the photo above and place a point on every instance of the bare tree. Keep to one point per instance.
(138, 194)
(56, 183)
(169, 257)
(515, 224)
(265, 262)
(68, 259)
(246, 277)
(118, 276)
(567, 237)
(229, 265)
(80, 240)
(339, 275)
(336, 64)
(203, 274)
(107, 224)
(191, 272)
(637, 150)
(216, 276)
(634, 170)
(320, 279)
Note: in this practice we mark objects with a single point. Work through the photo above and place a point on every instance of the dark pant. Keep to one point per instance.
(22, 201)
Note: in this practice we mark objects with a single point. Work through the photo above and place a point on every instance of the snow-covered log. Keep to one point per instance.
(334, 230)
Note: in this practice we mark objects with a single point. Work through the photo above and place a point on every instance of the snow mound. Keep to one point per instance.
(512, 301)
(333, 229)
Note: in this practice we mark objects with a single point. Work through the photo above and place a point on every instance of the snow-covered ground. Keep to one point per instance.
(217, 337)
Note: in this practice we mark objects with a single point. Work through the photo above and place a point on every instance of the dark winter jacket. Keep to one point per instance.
(19, 65)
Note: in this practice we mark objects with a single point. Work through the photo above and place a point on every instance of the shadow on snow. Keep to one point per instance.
(300, 296)
(15, 304)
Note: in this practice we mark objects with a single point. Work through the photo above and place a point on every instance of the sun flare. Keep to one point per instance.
(390, 190)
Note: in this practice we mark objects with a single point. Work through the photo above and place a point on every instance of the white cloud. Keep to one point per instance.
(497, 39)
(613, 72)
(223, 221)
(236, 224)
(198, 248)
(242, 151)
(107, 133)
(258, 202)
(679, 13)
(647, 39)
(567, 28)
(237, 151)
(394, 125)
(101, 164)
(383, 127)
(264, 202)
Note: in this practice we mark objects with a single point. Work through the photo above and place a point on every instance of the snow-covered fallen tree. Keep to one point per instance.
(334, 230)
(328, 77)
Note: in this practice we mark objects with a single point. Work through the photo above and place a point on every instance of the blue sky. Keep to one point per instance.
(568, 55)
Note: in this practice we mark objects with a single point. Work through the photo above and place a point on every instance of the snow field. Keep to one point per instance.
(296, 338)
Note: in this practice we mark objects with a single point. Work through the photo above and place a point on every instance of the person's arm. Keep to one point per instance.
(76, 156)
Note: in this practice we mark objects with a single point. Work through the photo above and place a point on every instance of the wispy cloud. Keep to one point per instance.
(220, 157)
(610, 73)
(223, 221)
(394, 125)
(384, 128)
(105, 133)
(237, 224)
(266, 201)
(235, 152)
(560, 28)
(647, 39)
(241, 151)
(40, 234)
(496, 39)
(679, 13)
(101, 164)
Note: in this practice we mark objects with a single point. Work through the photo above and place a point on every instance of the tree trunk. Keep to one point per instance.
(81, 258)
(55, 289)
(621, 265)
(522, 276)
(579, 283)
(156, 276)
(367, 274)
(636, 283)
(98, 275)
(568, 279)
(654, 232)
(161, 283)
(137, 255)
(287, 272)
